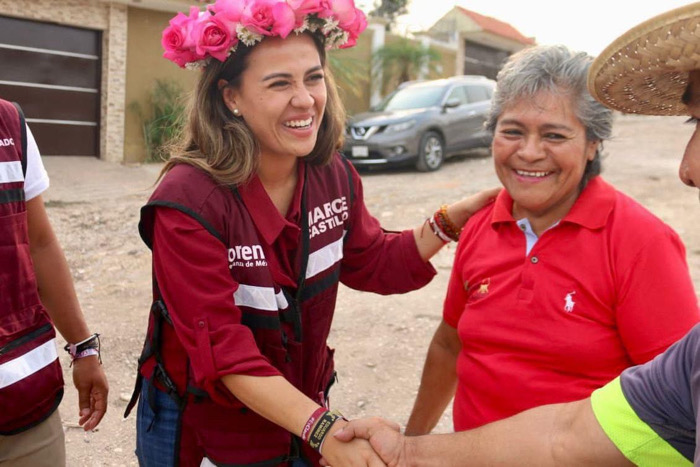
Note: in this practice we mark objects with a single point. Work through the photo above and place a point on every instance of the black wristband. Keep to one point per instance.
(92, 342)
(321, 429)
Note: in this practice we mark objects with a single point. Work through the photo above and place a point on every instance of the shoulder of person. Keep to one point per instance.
(190, 184)
(631, 217)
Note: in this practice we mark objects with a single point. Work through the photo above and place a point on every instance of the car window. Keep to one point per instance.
(413, 97)
(459, 93)
(477, 94)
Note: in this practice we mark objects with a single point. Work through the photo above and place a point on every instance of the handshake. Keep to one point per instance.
(372, 442)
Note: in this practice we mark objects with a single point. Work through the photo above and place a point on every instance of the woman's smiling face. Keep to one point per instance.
(282, 95)
(540, 154)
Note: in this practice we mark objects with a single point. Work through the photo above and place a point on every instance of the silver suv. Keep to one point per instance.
(422, 123)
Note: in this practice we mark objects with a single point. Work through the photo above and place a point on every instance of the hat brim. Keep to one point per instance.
(645, 71)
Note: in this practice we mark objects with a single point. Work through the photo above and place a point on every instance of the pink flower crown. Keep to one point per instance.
(192, 41)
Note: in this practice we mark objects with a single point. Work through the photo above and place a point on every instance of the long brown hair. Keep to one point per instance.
(223, 145)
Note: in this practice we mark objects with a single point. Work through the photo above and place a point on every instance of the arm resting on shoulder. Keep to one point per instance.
(459, 213)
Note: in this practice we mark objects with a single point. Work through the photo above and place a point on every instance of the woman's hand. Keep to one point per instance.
(428, 243)
(350, 453)
(384, 436)
(460, 212)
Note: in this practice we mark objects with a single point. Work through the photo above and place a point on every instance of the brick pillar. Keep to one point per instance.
(114, 84)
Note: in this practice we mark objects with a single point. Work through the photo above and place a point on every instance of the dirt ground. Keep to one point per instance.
(380, 341)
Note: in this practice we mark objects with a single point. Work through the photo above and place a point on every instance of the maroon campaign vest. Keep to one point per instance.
(31, 382)
(290, 326)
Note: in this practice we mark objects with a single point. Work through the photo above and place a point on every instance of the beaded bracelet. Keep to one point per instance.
(437, 230)
(449, 227)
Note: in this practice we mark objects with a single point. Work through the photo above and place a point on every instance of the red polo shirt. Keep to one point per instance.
(606, 288)
(193, 274)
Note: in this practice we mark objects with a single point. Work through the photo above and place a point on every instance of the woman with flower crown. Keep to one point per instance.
(256, 220)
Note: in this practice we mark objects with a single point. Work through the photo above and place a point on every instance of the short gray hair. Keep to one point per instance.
(557, 69)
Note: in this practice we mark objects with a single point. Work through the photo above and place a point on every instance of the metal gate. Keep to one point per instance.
(53, 72)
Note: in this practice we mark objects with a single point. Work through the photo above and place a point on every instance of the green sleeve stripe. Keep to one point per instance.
(634, 438)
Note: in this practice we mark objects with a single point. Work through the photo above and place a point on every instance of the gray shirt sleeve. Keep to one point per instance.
(665, 393)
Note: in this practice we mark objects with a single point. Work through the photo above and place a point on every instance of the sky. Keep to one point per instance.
(587, 25)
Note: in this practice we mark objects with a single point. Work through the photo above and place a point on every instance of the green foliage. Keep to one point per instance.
(389, 10)
(402, 60)
(162, 119)
(350, 73)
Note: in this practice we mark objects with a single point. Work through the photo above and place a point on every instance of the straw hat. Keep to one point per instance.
(645, 71)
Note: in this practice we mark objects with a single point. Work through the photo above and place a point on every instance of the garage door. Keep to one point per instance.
(53, 72)
(483, 60)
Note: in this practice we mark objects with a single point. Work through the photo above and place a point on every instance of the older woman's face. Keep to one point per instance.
(282, 95)
(690, 165)
(540, 152)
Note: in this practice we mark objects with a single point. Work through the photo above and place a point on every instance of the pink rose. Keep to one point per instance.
(302, 8)
(343, 12)
(305, 6)
(355, 29)
(229, 9)
(325, 8)
(177, 39)
(215, 35)
(284, 19)
(268, 17)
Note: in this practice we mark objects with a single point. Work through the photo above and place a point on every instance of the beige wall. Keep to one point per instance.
(448, 59)
(357, 58)
(145, 65)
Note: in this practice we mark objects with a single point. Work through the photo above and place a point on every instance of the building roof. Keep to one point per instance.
(496, 26)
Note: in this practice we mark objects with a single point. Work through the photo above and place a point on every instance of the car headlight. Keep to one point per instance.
(403, 126)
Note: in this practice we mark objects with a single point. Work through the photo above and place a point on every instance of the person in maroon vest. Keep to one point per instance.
(36, 293)
(255, 222)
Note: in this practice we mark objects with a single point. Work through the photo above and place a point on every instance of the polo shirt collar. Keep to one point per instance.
(591, 210)
(267, 219)
(593, 206)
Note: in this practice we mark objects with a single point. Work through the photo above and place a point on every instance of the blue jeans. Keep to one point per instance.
(156, 433)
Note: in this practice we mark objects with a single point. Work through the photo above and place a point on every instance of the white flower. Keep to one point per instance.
(247, 37)
(198, 65)
(337, 38)
(331, 24)
(305, 26)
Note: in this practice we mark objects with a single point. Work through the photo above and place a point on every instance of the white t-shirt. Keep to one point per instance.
(37, 180)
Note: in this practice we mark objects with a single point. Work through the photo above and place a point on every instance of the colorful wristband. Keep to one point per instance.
(437, 230)
(85, 348)
(306, 432)
(86, 353)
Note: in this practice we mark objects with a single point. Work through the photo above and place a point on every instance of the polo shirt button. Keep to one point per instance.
(201, 324)
(534, 260)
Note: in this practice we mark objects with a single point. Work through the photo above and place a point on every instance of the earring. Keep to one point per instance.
(236, 112)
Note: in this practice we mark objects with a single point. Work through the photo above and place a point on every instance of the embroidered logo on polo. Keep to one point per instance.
(484, 287)
(477, 289)
(246, 256)
(328, 216)
(569, 303)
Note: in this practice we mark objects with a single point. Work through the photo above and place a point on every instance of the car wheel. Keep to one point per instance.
(431, 152)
